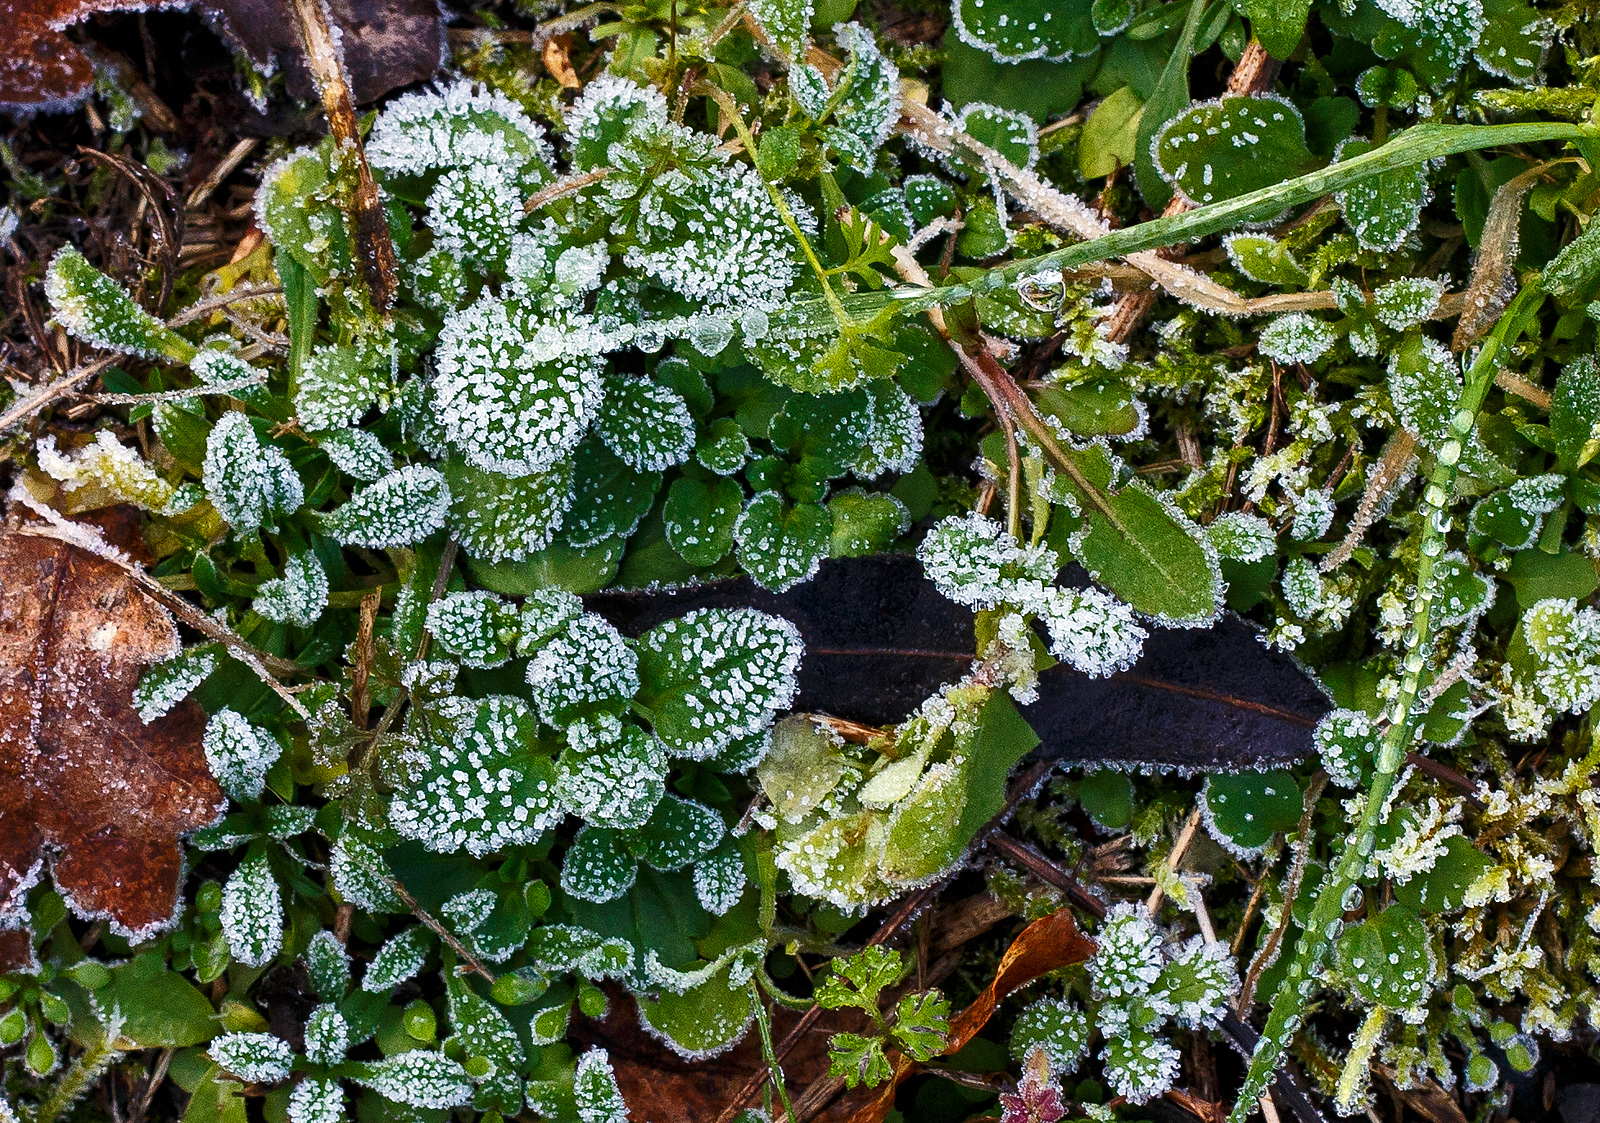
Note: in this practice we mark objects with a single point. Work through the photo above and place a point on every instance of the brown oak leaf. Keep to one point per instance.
(83, 781)
(387, 44)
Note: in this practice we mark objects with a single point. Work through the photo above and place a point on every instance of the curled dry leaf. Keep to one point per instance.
(387, 44)
(82, 779)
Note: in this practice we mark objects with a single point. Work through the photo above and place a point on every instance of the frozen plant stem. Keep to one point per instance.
(774, 1069)
(1327, 913)
(371, 229)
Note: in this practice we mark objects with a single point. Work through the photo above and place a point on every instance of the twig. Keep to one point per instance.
(1398, 456)
(1049, 873)
(1179, 849)
(51, 392)
(374, 248)
(366, 649)
(211, 303)
(441, 931)
(225, 167)
(156, 1077)
(565, 186)
(1302, 852)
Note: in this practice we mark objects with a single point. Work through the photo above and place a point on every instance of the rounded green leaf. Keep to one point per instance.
(1242, 811)
(699, 518)
(1219, 150)
(1386, 960)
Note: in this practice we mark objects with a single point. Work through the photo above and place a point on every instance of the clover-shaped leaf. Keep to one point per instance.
(699, 517)
(647, 425)
(1027, 29)
(1384, 208)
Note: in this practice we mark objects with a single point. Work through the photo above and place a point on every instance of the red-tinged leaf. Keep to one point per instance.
(880, 638)
(83, 782)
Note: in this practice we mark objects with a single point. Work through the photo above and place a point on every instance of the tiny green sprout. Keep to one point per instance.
(519, 987)
(920, 1025)
(97, 310)
(419, 1021)
(591, 1000)
(13, 1024)
(41, 1055)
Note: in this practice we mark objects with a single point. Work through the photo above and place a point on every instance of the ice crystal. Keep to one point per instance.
(401, 509)
(1128, 961)
(515, 391)
(478, 628)
(249, 484)
(975, 562)
(645, 424)
(1092, 630)
(587, 669)
(1297, 337)
(485, 785)
(255, 1058)
(252, 913)
(299, 596)
(238, 754)
(109, 464)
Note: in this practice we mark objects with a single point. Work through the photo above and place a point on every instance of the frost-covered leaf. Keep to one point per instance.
(339, 384)
(1218, 150)
(474, 212)
(865, 523)
(1092, 631)
(598, 867)
(401, 957)
(1463, 593)
(699, 518)
(1406, 302)
(483, 1031)
(1197, 984)
(895, 441)
(1244, 810)
(616, 784)
(506, 518)
(249, 484)
(477, 628)
(647, 425)
(316, 1099)
(456, 125)
(1013, 135)
(680, 831)
(719, 881)
(484, 783)
(565, 947)
(595, 1091)
(255, 1058)
(1026, 29)
(1264, 259)
(609, 499)
(252, 912)
(299, 596)
(328, 964)
(1514, 41)
(239, 754)
(1514, 517)
(1242, 536)
(1297, 337)
(1346, 740)
(716, 675)
(546, 612)
(975, 562)
(108, 463)
(1386, 960)
(357, 453)
(418, 1078)
(788, 24)
(94, 308)
(1424, 384)
(782, 545)
(723, 448)
(401, 509)
(515, 392)
(1055, 1025)
(1382, 209)
(1565, 641)
(361, 875)
(1575, 413)
(1139, 1065)
(327, 1035)
(586, 671)
(866, 109)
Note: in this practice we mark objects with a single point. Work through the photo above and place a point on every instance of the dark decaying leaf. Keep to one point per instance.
(880, 638)
(82, 780)
(387, 44)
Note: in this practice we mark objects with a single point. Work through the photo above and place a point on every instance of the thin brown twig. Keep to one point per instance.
(212, 303)
(370, 226)
(1179, 849)
(564, 186)
(52, 392)
(157, 1075)
(441, 931)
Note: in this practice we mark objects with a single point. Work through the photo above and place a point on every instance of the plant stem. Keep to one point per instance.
(77, 1079)
(774, 1069)
(1415, 145)
(1327, 914)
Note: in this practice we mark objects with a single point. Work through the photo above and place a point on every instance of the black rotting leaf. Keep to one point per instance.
(880, 638)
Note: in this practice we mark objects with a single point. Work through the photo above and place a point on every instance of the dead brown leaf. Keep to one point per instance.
(387, 44)
(83, 780)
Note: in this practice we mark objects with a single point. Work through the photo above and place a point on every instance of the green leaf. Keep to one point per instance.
(1575, 413)
(679, 832)
(1463, 592)
(1386, 207)
(1100, 408)
(160, 1008)
(922, 1024)
(1055, 30)
(825, 432)
(782, 545)
(609, 499)
(1514, 39)
(482, 1031)
(1169, 98)
(865, 108)
(857, 980)
(215, 1099)
(586, 671)
(1443, 888)
(716, 675)
(1142, 548)
(699, 518)
(702, 1021)
(1221, 150)
(506, 518)
(865, 523)
(859, 1059)
(559, 565)
(597, 866)
(1111, 135)
(614, 785)
(647, 425)
(1279, 24)
(1106, 796)
(418, 1078)
(787, 23)
(1265, 259)
(1537, 576)
(1386, 960)
(1513, 517)
(1242, 811)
